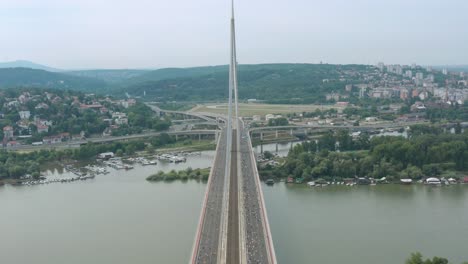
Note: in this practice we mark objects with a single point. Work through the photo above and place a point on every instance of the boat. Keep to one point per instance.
(149, 162)
(363, 181)
(433, 181)
(311, 183)
(270, 182)
(406, 181)
(452, 181)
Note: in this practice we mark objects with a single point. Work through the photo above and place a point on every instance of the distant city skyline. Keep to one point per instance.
(78, 34)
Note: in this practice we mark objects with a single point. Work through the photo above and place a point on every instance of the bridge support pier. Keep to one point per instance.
(276, 134)
(261, 136)
(291, 133)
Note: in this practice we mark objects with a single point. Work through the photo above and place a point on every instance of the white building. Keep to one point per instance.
(24, 114)
(409, 74)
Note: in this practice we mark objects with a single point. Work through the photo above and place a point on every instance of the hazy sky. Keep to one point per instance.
(166, 33)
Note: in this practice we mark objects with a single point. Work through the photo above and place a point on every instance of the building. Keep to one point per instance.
(8, 132)
(404, 94)
(398, 70)
(120, 118)
(423, 95)
(419, 75)
(24, 114)
(381, 66)
(417, 107)
(128, 103)
(272, 116)
(42, 106)
(121, 121)
(42, 128)
(348, 87)
(95, 106)
(409, 74)
(56, 139)
(431, 77)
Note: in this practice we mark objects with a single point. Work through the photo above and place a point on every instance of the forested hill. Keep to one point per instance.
(109, 76)
(275, 83)
(26, 77)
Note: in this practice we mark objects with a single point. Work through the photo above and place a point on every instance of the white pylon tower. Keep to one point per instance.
(233, 64)
(232, 94)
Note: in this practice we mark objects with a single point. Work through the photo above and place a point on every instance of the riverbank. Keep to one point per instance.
(30, 165)
(80, 170)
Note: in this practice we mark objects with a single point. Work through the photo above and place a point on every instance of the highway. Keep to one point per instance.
(232, 252)
(258, 243)
(77, 143)
(208, 238)
(368, 126)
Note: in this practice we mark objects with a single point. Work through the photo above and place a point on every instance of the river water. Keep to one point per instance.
(121, 218)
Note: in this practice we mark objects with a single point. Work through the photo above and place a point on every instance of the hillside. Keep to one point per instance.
(27, 64)
(25, 77)
(275, 83)
(172, 73)
(110, 76)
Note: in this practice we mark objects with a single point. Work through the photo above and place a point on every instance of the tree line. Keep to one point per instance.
(337, 155)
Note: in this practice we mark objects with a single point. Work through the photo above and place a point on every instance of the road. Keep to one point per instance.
(232, 254)
(259, 247)
(207, 240)
(77, 143)
(371, 126)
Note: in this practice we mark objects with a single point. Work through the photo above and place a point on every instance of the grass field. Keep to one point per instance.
(261, 109)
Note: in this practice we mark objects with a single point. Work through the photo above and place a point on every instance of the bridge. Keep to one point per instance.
(233, 226)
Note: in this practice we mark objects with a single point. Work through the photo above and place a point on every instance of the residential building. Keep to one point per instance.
(42, 128)
(24, 114)
(8, 132)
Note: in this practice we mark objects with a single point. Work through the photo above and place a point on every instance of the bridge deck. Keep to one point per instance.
(207, 240)
(247, 233)
(232, 254)
(259, 245)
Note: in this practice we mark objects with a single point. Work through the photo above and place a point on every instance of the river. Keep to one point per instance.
(121, 218)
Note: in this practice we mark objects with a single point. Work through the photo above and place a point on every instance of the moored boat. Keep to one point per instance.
(270, 182)
(406, 181)
(433, 181)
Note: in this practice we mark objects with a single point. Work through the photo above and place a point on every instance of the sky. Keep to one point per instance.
(79, 34)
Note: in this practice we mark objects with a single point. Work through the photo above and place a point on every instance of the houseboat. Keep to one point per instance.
(406, 181)
(433, 181)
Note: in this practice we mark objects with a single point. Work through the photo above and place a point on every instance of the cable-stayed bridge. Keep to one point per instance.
(233, 226)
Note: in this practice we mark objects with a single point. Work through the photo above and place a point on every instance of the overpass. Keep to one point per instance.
(208, 117)
(304, 130)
